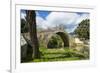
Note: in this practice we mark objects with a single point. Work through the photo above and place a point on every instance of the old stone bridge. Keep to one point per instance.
(45, 36)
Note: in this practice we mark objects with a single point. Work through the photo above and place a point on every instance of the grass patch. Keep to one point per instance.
(66, 54)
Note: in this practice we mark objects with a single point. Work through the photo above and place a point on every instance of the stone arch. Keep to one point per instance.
(64, 36)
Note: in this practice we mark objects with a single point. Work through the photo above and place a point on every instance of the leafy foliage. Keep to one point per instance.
(83, 29)
(55, 42)
(24, 26)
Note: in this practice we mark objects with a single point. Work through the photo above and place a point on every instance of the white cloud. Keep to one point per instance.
(82, 17)
(57, 18)
(41, 23)
(70, 20)
(23, 15)
(67, 19)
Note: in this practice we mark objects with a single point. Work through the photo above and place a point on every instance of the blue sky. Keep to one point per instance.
(43, 14)
(50, 19)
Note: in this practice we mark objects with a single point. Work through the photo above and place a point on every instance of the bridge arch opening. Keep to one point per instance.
(64, 37)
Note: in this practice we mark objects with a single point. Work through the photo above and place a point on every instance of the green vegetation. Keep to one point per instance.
(56, 48)
(48, 55)
(83, 29)
(24, 26)
(55, 42)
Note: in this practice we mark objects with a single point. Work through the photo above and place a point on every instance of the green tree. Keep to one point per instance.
(55, 42)
(83, 29)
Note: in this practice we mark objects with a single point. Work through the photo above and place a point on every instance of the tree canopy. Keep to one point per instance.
(83, 29)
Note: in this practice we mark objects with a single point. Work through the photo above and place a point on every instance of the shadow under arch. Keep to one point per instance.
(64, 36)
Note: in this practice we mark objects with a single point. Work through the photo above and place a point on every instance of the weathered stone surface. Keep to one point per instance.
(45, 36)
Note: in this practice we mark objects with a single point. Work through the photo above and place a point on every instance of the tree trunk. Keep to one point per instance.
(31, 19)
